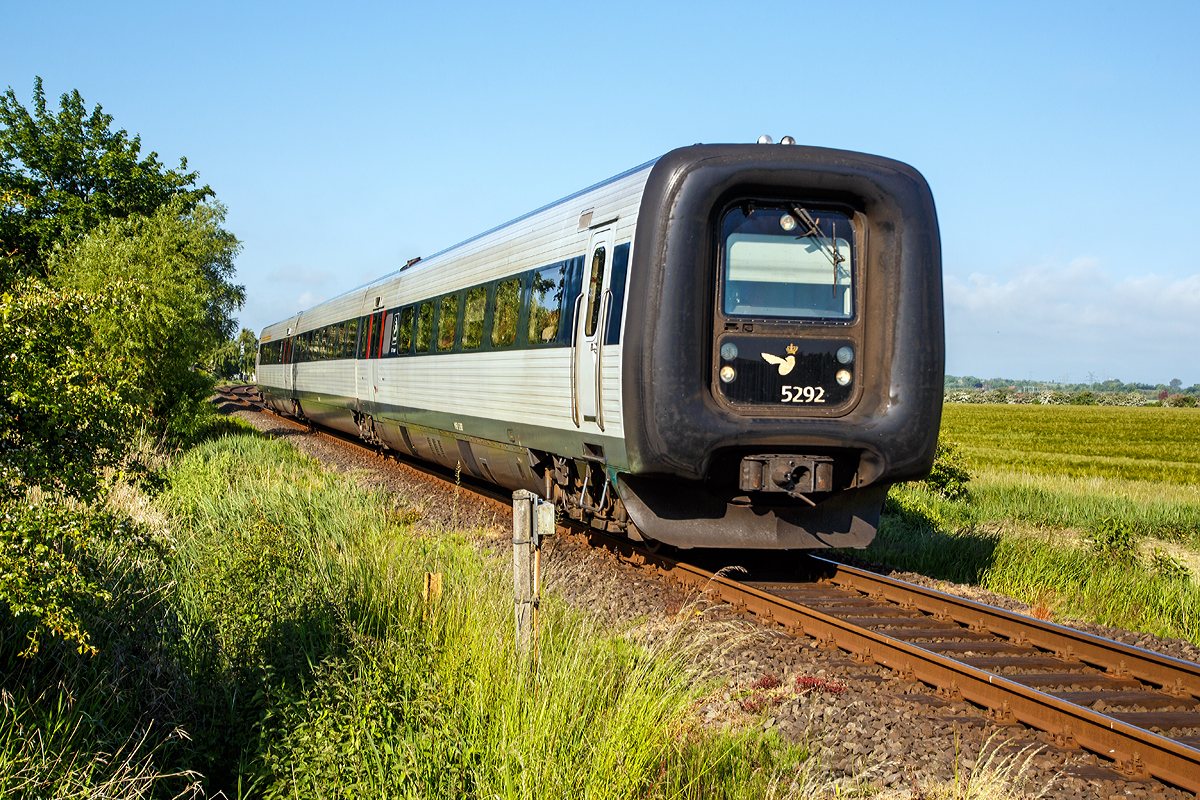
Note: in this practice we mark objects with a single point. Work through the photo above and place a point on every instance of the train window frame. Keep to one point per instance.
(856, 248)
(531, 338)
(479, 338)
(405, 339)
(595, 289)
(426, 330)
(447, 301)
(516, 322)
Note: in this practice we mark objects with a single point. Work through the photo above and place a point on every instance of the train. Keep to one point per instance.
(729, 346)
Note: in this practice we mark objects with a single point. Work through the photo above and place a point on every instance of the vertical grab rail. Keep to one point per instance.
(602, 328)
(574, 364)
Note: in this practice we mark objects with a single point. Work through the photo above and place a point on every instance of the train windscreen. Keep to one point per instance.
(790, 261)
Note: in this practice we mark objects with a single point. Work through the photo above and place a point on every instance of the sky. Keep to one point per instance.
(1060, 139)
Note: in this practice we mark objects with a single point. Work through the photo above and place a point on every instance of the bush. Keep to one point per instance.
(949, 476)
(1180, 401)
(1053, 398)
(1083, 399)
(1115, 539)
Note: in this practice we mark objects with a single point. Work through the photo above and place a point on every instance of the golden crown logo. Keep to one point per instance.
(791, 348)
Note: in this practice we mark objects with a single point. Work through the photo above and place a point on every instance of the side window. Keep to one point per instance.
(389, 334)
(424, 326)
(447, 321)
(507, 311)
(406, 325)
(595, 284)
(364, 325)
(620, 266)
(394, 327)
(545, 304)
(339, 340)
(352, 338)
(473, 318)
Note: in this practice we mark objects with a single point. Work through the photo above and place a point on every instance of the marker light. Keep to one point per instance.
(727, 374)
(729, 351)
(787, 222)
(845, 355)
(787, 140)
(843, 377)
(765, 139)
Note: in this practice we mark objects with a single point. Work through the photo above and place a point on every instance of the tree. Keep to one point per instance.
(64, 174)
(1176, 384)
(181, 261)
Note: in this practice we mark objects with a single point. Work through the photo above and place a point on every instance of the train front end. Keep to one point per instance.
(784, 352)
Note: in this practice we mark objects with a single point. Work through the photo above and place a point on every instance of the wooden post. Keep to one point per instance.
(432, 592)
(522, 568)
(533, 521)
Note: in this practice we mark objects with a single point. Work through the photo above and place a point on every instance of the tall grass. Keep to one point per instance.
(1068, 577)
(327, 675)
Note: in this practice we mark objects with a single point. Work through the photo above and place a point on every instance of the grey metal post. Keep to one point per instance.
(522, 567)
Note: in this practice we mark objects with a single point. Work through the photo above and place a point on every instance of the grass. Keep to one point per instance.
(1158, 445)
(1081, 511)
(277, 645)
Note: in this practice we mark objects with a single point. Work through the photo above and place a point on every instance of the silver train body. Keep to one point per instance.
(730, 346)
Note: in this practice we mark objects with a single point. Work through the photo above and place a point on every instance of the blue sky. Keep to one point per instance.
(1060, 139)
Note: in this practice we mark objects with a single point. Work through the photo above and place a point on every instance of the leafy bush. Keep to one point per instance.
(1168, 566)
(1114, 538)
(1180, 401)
(1083, 399)
(949, 476)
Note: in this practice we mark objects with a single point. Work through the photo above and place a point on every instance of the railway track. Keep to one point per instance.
(1138, 709)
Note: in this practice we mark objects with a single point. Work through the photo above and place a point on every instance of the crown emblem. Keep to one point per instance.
(791, 348)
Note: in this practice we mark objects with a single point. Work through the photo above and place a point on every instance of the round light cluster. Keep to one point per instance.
(727, 374)
(842, 377)
(845, 355)
(729, 351)
(787, 222)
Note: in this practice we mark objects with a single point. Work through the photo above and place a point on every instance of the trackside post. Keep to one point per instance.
(533, 520)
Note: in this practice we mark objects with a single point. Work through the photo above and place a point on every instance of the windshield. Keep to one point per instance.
(788, 261)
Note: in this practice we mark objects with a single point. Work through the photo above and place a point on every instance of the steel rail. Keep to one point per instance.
(1136, 751)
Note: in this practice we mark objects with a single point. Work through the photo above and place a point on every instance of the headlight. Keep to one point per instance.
(727, 374)
(842, 377)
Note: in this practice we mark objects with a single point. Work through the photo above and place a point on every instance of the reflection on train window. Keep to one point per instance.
(424, 326)
(595, 284)
(405, 340)
(473, 318)
(790, 261)
(351, 337)
(393, 325)
(447, 321)
(545, 302)
(508, 307)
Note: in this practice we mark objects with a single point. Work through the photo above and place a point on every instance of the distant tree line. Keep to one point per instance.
(969, 389)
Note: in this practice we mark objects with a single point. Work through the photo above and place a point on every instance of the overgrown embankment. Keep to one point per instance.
(268, 637)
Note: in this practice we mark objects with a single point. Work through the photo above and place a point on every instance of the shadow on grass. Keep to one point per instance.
(914, 537)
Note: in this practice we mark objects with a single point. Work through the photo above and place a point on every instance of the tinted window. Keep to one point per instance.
(545, 304)
(595, 284)
(404, 343)
(447, 322)
(473, 318)
(389, 334)
(424, 326)
(351, 337)
(508, 308)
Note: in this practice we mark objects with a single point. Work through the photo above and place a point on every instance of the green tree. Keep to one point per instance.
(181, 260)
(65, 173)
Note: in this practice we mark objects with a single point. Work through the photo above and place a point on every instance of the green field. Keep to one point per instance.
(1159, 445)
(1088, 512)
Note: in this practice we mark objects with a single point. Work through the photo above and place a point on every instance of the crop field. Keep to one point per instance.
(1158, 445)
(1082, 511)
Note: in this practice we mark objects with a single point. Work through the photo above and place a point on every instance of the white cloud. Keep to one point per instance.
(1055, 319)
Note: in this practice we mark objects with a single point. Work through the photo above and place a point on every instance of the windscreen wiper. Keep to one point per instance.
(828, 246)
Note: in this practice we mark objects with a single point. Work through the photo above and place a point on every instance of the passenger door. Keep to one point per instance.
(365, 365)
(589, 316)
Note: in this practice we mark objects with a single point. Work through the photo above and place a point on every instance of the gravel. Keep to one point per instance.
(868, 728)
